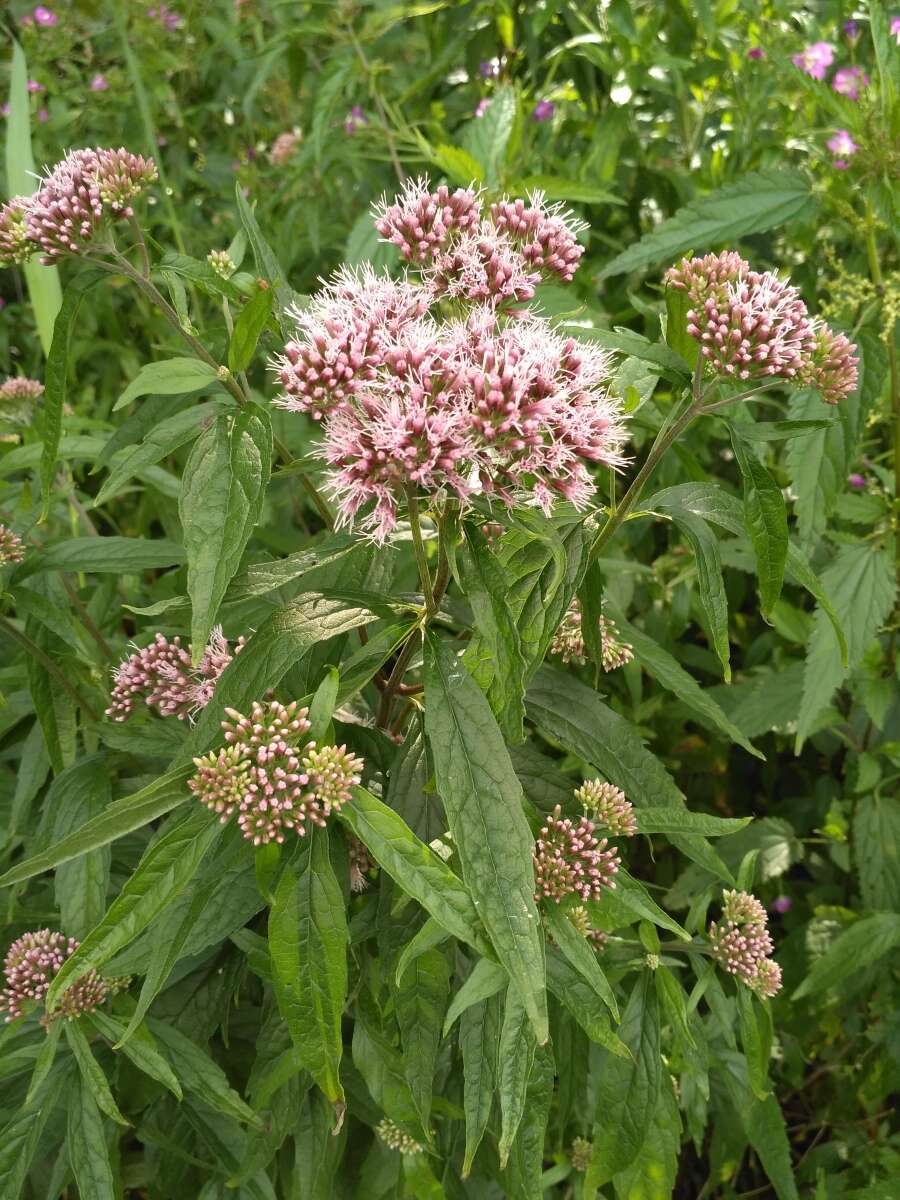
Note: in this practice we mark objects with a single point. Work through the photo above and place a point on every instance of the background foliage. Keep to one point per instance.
(667, 136)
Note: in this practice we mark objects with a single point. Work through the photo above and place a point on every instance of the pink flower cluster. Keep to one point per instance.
(607, 806)
(569, 645)
(843, 147)
(12, 548)
(756, 326)
(67, 210)
(741, 944)
(31, 964)
(162, 675)
(272, 781)
(282, 149)
(815, 60)
(17, 397)
(570, 861)
(484, 400)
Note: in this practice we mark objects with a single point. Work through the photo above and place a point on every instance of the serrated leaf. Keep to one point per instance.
(710, 582)
(104, 555)
(172, 377)
(626, 341)
(680, 820)
(86, 1140)
(248, 327)
(76, 795)
(573, 190)
(222, 493)
(861, 583)
(876, 850)
(865, 942)
(515, 1059)
(487, 137)
(766, 517)
(525, 1169)
(581, 1001)
(140, 1048)
(755, 1025)
(266, 263)
(457, 164)
(92, 1076)
(308, 946)
(653, 1173)
(483, 801)
(580, 956)
(752, 204)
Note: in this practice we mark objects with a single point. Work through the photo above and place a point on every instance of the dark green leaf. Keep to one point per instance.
(580, 955)
(766, 516)
(247, 329)
(76, 795)
(421, 1001)
(201, 1075)
(479, 1040)
(92, 1076)
(486, 980)
(866, 941)
(88, 1153)
(515, 1059)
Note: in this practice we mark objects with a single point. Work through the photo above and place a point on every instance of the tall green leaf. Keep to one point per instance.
(479, 1040)
(76, 795)
(766, 516)
(88, 1152)
(866, 941)
(421, 1000)
(92, 1076)
(483, 800)
(222, 493)
(515, 1058)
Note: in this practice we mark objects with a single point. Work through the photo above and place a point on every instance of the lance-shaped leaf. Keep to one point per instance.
(479, 1039)
(221, 498)
(308, 946)
(91, 1072)
(88, 1151)
(172, 377)
(766, 516)
(483, 800)
(515, 1058)
(421, 998)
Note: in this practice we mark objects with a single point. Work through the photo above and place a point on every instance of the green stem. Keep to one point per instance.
(415, 527)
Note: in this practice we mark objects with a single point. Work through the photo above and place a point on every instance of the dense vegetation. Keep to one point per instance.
(509, 561)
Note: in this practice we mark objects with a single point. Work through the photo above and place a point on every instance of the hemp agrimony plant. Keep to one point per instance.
(362, 782)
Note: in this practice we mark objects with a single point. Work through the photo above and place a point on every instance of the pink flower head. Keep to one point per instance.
(482, 265)
(782, 904)
(17, 399)
(851, 30)
(570, 861)
(741, 943)
(355, 119)
(12, 548)
(162, 675)
(45, 16)
(857, 482)
(43, 115)
(282, 150)
(99, 83)
(14, 245)
(701, 277)
(421, 222)
(568, 641)
(271, 779)
(361, 864)
(544, 234)
(849, 80)
(34, 87)
(831, 366)
(31, 964)
(895, 29)
(607, 807)
(167, 17)
(543, 111)
(756, 52)
(815, 59)
(842, 144)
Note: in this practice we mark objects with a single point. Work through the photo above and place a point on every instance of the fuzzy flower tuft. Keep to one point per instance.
(579, 917)
(31, 964)
(15, 247)
(283, 148)
(361, 864)
(849, 81)
(607, 807)
(222, 263)
(570, 861)
(741, 944)
(162, 676)
(12, 548)
(545, 234)
(832, 366)
(815, 59)
(395, 1139)
(420, 222)
(614, 653)
(271, 777)
(568, 641)
(842, 145)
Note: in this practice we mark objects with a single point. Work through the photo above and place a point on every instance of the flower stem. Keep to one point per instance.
(415, 527)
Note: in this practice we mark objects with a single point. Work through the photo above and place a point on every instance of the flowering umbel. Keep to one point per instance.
(441, 382)
(31, 964)
(12, 548)
(271, 776)
(570, 861)
(568, 641)
(162, 676)
(607, 807)
(755, 326)
(76, 196)
(741, 944)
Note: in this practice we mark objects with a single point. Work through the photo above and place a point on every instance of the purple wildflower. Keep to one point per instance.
(544, 234)
(45, 17)
(31, 964)
(895, 29)
(162, 675)
(756, 52)
(782, 904)
(167, 17)
(420, 222)
(99, 83)
(851, 30)
(848, 81)
(489, 68)
(842, 145)
(34, 86)
(815, 59)
(355, 119)
(570, 861)
(857, 482)
(741, 943)
(543, 111)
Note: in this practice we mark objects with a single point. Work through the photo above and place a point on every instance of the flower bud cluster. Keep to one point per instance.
(12, 548)
(395, 1139)
(31, 964)
(17, 399)
(76, 196)
(162, 675)
(271, 777)
(755, 326)
(568, 641)
(570, 861)
(741, 944)
(607, 807)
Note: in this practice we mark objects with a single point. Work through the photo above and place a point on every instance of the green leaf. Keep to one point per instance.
(487, 137)
(414, 866)
(756, 1039)
(581, 1000)
(668, 672)
(653, 1173)
(632, 894)
(308, 945)
(515, 1059)
(421, 999)
(628, 1088)
(322, 705)
(121, 817)
(486, 980)
(495, 660)
(266, 262)
(159, 441)
(281, 642)
(164, 871)
(572, 190)
(775, 431)
(172, 377)
(710, 583)
(574, 715)
(222, 493)
(764, 1127)
(766, 515)
(201, 1075)
(104, 555)
(479, 1040)
(876, 849)
(22, 179)
(754, 203)
(635, 345)
(44, 1061)
(673, 1001)
(76, 795)
(677, 336)
(140, 1048)
(247, 330)
(580, 955)
(679, 820)
(525, 1168)
(92, 1076)
(86, 1141)
(865, 942)
(20, 1137)
(483, 800)
(457, 164)
(861, 583)
(56, 376)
